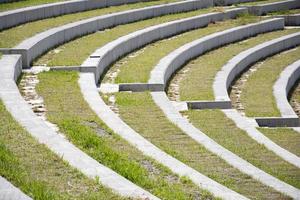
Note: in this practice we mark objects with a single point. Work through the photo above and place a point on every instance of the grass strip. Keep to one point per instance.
(257, 93)
(138, 68)
(197, 82)
(217, 126)
(13, 36)
(138, 108)
(37, 171)
(68, 54)
(67, 109)
(285, 12)
(285, 137)
(259, 2)
(24, 3)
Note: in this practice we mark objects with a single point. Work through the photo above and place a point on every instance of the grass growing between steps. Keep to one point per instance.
(285, 12)
(37, 171)
(257, 93)
(259, 2)
(217, 126)
(284, 137)
(137, 68)
(197, 82)
(138, 108)
(24, 3)
(67, 109)
(13, 36)
(69, 54)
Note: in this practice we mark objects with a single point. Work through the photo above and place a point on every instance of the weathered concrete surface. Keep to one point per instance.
(291, 20)
(161, 100)
(209, 104)
(278, 121)
(168, 65)
(22, 113)
(103, 57)
(35, 46)
(10, 192)
(92, 97)
(286, 81)
(275, 6)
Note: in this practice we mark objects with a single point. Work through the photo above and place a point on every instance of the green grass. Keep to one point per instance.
(138, 108)
(258, 2)
(24, 3)
(257, 93)
(13, 36)
(37, 171)
(68, 54)
(284, 137)
(138, 68)
(67, 109)
(197, 82)
(285, 12)
(217, 126)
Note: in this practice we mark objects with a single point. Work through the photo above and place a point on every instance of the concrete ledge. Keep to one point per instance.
(249, 125)
(16, 17)
(243, 60)
(229, 2)
(106, 55)
(292, 20)
(168, 65)
(139, 87)
(287, 79)
(67, 68)
(278, 121)
(273, 7)
(10, 192)
(209, 104)
(35, 46)
(22, 113)
(112, 120)
(161, 100)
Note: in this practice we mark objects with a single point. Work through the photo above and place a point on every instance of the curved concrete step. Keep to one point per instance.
(286, 81)
(35, 46)
(9, 192)
(235, 67)
(19, 16)
(168, 65)
(175, 117)
(106, 55)
(263, 9)
(291, 20)
(91, 95)
(21, 112)
(100, 60)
